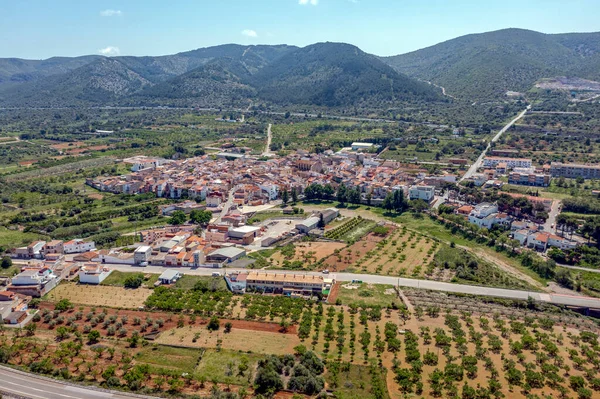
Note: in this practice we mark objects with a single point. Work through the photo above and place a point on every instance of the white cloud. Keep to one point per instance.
(249, 33)
(111, 13)
(110, 51)
(306, 2)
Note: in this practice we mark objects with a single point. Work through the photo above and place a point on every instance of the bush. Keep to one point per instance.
(213, 324)
(134, 281)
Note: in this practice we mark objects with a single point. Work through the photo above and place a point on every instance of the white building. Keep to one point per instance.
(484, 215)
(93, 273)
(425, 193)
(361, 146)
(170, 276)
(271, 189)
(31, 277)
(78, 246)
(308, 224)
(492, 162)
(142, 254)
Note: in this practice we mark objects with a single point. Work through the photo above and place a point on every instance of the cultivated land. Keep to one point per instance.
(443, 343)
(97, 295)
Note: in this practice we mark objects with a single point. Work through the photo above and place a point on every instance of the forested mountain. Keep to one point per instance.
(487, 65)
(323, 74)
(335, 74)
(472, 67)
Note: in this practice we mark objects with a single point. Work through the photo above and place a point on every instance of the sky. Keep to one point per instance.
(38, 29)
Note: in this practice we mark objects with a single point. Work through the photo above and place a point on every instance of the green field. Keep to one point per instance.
(166, 357)
(223, 366)
(369, 294)
(118, 278)
(188, 282)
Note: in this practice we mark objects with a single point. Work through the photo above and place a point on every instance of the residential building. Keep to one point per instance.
(78, 246)
(54, 247)
(529, 179)
(93, 273)
(572, 170)
(511, 163)
(425, 193)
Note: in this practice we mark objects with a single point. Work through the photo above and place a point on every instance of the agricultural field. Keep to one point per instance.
(100, 295)
(308, 253)
(375, 345)
(401, 253)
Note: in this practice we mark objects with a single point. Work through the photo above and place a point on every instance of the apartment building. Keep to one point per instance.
(530, 179)
(511, 163)
(573, 170)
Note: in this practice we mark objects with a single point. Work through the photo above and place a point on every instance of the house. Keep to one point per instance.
(484, 215)
(54, 247)
(142, 254)
(35, 250)
(215, 199)
(85, 257)
(169, 276)
(11, 303)
(78, 246)
(308, 224)
(93, 273)
(225, 255)
(16, 317)
(425, 193)
(464, 210)
(30, 277)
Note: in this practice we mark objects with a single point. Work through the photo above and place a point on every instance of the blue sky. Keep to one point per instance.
(41, 28)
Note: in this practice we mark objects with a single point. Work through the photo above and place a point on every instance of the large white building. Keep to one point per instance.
(511, 163)
(425, 193)
(484, 215)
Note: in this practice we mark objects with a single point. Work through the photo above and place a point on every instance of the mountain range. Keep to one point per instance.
(478, 66)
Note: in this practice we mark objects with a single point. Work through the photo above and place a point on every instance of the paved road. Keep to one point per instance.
(479, 160)
(406, 282)
(227, 205)
(267, 151)
(550, 225)
(34, 387)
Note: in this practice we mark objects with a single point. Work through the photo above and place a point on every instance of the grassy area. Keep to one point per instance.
(11, 271)
(188, 282)
(15, 238)
(159, 356)
(223, 366)
(118, 278)
(369, 294)
(354, 383)
(262, 216)
(359, 231)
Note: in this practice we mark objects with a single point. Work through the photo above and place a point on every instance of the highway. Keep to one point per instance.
(24, 385)
(404, 282)
(479, 160)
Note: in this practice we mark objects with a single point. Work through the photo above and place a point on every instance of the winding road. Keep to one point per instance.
(479, 160)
